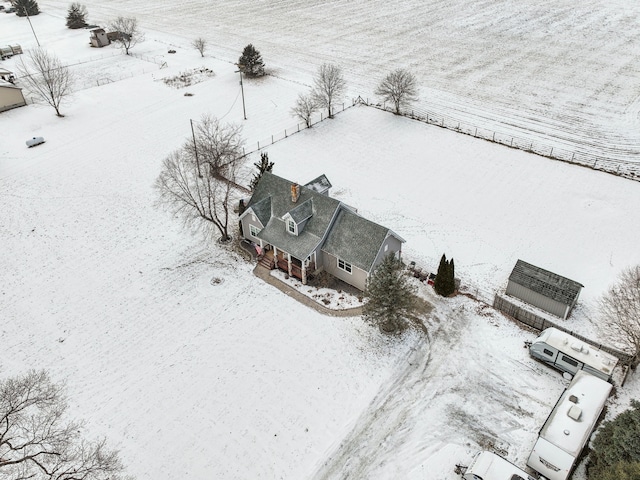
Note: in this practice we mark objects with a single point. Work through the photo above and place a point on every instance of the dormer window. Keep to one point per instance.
(291, 226)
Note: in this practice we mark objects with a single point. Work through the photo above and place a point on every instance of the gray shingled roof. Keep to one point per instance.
(355, 239)
(302, 211)
(278, 190)
(262, 209)
(546, 283)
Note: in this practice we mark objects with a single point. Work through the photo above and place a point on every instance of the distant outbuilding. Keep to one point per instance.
(99, 38)
(10, 96)
(543, 289)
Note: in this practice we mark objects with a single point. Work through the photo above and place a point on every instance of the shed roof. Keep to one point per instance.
(544, 282)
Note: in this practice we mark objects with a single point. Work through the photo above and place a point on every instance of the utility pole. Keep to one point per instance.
(244, 111)
(34, 32)
(195, 147)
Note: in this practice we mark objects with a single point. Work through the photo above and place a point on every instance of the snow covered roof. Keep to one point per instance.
(489, 466)
(581, 351)
(545, 283)
(570, 423)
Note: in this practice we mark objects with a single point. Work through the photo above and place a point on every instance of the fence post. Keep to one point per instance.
(475, 134)
(258, 145)
(594, 163)
(320, 116)
(573, 154)
(285, 133)
(271, 139)
(551, 153)
(298, 127)
(494, 137)
(442, 123)
(512, 141)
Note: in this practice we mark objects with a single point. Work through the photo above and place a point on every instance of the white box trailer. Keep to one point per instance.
(569, 426)
(568, 354)
(489, 466)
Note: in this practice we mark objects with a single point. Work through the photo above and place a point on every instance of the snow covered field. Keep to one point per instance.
(236, 380)
(559, 72)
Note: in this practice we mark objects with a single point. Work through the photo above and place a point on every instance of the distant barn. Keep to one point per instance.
(543, 289)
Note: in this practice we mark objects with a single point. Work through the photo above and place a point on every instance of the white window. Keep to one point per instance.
(342, 265)
(253, 230)
(291, 225)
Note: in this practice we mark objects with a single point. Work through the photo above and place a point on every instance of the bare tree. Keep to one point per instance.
(127, 32)
(304, 108)
(46, 78)
(200, 44)
(329, 86)
(199, 181)
(620, 309)
(217, 144)
(37, 442)
(398, 87)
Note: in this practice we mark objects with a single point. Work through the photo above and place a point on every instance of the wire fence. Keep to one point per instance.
(630, 170)
(287, 132)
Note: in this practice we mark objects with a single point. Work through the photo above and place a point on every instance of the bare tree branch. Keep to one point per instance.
(200, 44)
(36, 442)
(620, 311)
(46, 78)
(305, 107)
(128, 32)
(199, 187)
(398, 87)
(329, 86)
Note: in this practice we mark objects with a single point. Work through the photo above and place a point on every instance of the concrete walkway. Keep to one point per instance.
(265, 274)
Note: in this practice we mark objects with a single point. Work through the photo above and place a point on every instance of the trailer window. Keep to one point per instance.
(569, 360)
(548, 352)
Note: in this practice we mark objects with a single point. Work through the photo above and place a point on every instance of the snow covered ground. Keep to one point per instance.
(194, 379)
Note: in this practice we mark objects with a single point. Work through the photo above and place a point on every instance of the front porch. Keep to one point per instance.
(294, 267)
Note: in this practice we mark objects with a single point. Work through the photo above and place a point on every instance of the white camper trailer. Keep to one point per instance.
(568, 354)
(489, 466)
(569, 426)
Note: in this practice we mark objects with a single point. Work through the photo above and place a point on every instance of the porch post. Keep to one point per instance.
(304, 273)
(289, 263)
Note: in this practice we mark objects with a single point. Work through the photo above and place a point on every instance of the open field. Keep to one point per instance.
(555, 71)
(236, 380)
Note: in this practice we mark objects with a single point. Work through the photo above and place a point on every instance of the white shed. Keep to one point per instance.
(10, 96)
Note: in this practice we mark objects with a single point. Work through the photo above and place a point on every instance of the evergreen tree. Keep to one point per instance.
(444, 283)
(389, 295)
(264, 166)
(26, 7)
(76, 16)
(617, 442)
(250, 63)
(619, 471)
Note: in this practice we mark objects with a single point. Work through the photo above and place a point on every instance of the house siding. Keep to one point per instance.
(246, 231)
(357, 278)
(11, 97)
(537, 300)
(394, 244)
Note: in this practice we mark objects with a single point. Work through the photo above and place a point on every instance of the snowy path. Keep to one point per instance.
(440, 400)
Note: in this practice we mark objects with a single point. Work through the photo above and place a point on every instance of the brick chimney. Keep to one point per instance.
(295, 192)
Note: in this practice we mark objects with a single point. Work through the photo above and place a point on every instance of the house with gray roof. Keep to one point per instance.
(302, 230)
(543, 289)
